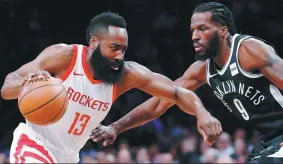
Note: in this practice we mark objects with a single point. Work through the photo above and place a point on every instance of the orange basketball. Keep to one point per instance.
(43, 102)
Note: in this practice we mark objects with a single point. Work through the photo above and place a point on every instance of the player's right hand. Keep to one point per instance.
(106, 133)
(34, 77)
(209, 127)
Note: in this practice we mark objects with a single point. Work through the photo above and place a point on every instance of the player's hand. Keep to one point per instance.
(34, 77)
(209, 127)
(106, 133)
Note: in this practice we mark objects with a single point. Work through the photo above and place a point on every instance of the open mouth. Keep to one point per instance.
(115, 67)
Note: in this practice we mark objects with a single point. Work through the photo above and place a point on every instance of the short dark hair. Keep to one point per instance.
(219, 13)
(99, 24)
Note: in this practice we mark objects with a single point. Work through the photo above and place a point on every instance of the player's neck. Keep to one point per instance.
(224, 54)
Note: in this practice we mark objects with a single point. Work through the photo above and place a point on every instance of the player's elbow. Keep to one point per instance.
(4, 93)
(7, 90)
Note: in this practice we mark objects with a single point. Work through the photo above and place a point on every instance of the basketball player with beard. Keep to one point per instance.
(94, 77)
(244, 72)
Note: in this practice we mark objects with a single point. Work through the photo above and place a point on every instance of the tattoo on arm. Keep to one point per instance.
(271, 59)
(274, 63)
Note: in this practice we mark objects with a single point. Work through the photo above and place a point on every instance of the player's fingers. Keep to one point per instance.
(108, 142)
(29, 78)
(99, 138)
(95, 131)
(40, 75)
(210, 136)
(32, 77)
(46, 74)
(96, 134)
(219, 128)
(205, 137)
(23, 81)
(207, 132)
(213, 134)
(202, 134)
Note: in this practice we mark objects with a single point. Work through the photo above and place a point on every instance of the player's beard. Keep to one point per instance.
(213, 48)
(102, 68)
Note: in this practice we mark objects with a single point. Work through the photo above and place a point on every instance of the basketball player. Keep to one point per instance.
(94, 77)
(244, 72)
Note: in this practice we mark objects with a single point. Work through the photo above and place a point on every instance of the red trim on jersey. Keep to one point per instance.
(73, 62)
(114, 93)
(24, 140)
(85, 67)
(32, 155)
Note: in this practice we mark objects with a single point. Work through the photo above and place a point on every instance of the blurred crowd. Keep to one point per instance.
(159, 38)
(180, 145)
(177, 145)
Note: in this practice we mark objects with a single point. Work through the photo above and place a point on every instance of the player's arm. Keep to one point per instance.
(53, 59)
(153, 108)
(162, 87)
(193, 78)
(265, 60)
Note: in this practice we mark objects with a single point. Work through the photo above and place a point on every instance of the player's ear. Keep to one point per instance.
(93, 42)
(224, 32)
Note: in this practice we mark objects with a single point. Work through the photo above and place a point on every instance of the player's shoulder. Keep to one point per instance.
(254, 47)
(57, 50)
(132, 67)
(56, 56)
(252, 42)
(253, 52)
(135, 74)
(61, 48)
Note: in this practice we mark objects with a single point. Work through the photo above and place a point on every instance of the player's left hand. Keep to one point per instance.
(106, 133)
(209, 127)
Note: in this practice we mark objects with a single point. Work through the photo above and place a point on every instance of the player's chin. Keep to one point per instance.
(201, 57)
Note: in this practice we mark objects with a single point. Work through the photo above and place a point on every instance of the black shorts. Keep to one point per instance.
(260, 153)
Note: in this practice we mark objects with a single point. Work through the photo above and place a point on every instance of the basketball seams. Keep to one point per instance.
(62, 108)
(19, 101)
(46, 102)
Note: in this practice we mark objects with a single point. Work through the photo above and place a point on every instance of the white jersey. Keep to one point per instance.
(89, 102)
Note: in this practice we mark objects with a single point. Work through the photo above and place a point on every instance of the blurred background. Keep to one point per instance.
(160, 39)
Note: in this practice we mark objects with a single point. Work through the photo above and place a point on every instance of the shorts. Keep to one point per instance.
(267, 152)
(29, 147)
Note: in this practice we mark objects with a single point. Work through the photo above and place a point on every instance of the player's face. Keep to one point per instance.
(205, 36)
(108, 58)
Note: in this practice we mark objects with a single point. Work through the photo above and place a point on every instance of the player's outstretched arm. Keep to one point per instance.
(153, 108)
(264, 59)
(53, 59)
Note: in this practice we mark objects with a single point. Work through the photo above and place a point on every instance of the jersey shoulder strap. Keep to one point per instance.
(235, 48)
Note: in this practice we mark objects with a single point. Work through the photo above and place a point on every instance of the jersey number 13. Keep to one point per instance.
(81, 120)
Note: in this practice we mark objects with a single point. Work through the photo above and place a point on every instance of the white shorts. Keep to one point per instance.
(27, 147)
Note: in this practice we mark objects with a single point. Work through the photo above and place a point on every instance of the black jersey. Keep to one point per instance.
(249, 96)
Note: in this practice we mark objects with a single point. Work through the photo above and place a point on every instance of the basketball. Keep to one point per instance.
(43, 102)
